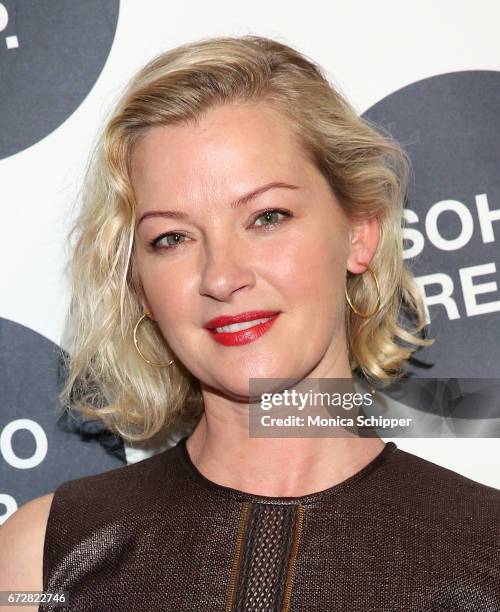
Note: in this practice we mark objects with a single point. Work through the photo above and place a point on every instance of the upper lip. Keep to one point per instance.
(239, 318)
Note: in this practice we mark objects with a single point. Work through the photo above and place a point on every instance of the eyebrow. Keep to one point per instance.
(241, 201)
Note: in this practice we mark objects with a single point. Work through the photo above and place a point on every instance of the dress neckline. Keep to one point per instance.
(241, 496)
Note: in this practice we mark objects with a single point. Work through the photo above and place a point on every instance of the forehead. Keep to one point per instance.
(226, 152)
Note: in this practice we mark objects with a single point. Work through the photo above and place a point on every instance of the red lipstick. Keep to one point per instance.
(243, 336)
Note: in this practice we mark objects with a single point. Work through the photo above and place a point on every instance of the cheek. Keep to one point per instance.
(310, 268)
(167, 291)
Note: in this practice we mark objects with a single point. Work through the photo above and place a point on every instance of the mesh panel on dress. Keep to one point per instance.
(266, 550)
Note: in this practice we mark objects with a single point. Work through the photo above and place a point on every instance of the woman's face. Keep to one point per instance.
(218, 253)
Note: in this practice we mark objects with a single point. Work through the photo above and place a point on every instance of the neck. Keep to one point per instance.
(221, 449)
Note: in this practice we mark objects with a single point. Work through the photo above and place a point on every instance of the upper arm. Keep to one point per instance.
(22, 538)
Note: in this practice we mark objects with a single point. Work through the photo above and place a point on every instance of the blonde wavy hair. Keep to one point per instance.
(367, 170)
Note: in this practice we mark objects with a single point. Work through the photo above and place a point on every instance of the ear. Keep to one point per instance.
(147, 308)
(143, 300)
(363, 237)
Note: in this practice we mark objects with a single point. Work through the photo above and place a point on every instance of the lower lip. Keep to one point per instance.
(243, 336)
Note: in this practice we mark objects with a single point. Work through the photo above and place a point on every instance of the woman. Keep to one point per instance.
(241, 222)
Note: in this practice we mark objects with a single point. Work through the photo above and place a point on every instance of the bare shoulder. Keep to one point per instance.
(22, 538)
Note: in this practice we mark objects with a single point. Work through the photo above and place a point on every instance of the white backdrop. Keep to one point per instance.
(369, 49)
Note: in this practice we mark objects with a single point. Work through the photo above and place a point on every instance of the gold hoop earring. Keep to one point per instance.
(156, 365)
(365, 315)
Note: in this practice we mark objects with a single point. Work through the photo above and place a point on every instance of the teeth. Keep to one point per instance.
(238, 326)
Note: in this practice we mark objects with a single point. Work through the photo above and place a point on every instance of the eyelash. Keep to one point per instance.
(269, 227)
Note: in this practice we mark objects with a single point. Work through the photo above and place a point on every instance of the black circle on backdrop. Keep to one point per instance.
(31, 376)
(449, 126)
(59, 51)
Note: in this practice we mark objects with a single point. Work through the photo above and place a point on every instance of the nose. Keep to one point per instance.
(226, 269)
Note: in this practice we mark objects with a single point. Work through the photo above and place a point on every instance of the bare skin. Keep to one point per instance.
(227, 264)
(21, 549)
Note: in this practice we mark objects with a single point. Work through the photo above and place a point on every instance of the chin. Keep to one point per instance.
(259, 380)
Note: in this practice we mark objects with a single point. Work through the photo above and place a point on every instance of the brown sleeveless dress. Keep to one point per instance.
(401, 535)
